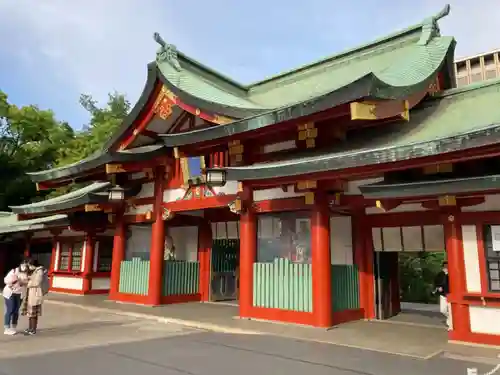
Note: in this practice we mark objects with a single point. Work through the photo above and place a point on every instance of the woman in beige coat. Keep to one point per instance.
(32, 303)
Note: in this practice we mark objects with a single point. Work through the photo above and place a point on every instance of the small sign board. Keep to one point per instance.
(495, 237)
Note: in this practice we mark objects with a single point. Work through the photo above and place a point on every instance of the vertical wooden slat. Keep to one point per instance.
(282, 284)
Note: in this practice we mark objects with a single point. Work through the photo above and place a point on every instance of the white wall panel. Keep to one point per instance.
(341, 240)
(471, 259)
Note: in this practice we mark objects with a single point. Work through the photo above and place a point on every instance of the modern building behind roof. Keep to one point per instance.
(477, 68)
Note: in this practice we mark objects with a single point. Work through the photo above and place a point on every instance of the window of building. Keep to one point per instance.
(462, 81)
(491, 242)
(476, 77)
(490, 73)
(284, 235)
(70, 258)
(105, 254)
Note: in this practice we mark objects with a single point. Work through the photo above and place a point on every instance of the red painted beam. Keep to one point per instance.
(200, 203)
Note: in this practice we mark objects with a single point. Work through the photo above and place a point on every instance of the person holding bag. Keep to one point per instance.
(32, 304)
(13, 293)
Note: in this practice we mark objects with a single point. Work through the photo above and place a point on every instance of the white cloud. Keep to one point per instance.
(97, 46)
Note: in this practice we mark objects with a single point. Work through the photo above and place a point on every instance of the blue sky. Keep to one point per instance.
(54, 50)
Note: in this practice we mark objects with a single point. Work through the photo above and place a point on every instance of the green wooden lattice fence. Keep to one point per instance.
(345, 287)
(181, 278)
(283, 285)
(134, 276)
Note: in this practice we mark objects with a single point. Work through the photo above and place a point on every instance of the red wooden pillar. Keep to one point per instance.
(157, 250)
(88, 263)
(369, 272)
(204, 251)
(456, 273)
(321, 262)
(359, 228)
(119, 243)
(248, 253)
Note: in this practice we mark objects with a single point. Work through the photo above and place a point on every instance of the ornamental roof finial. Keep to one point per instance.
(166, 52)
(430, 26)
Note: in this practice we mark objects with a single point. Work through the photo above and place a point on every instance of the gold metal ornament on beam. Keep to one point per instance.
(447, 200)
(309, 197)
(167, 214)
(92, 208)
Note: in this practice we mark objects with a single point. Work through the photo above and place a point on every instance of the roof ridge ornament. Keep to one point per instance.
(430, 26)
(167, 52)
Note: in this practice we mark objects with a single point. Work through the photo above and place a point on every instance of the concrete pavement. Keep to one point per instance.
(75, 341)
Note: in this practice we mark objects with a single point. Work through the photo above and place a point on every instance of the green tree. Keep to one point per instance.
(103, 123)
(30, 140)
(417, 272)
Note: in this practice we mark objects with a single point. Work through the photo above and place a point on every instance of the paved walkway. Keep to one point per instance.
(65, 328)
(417, 341)
(76, 341)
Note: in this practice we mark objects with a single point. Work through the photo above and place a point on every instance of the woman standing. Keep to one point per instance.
(13, 292)
(32, 303)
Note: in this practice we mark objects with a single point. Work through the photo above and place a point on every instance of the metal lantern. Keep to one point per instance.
(116, 194)
(216, 177)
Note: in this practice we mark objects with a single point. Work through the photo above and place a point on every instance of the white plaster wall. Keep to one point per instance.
(142, 209)
(226, 230)
(58, 255)
(73, 283)
(95, 262)
(491, 203)
(101, 283)
(147, 190)
(471, 259)
(401, 208)
(84, 255)
(276, 193)
(185, 240)
(171, 195)
(280, 146)
(42, 234)
(138, 242)
(353, 186)
(485, 320)
(341, 249)
(409, 239)
(231, 187)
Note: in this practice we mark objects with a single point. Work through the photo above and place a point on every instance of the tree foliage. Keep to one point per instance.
(32, 139)
(103, 123)
(417, 272)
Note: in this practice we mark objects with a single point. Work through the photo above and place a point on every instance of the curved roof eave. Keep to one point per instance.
(366, 156)
(98, 160)
(60, 220)
(382, 190)
(85, 195)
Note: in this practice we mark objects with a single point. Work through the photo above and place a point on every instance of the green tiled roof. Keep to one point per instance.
(382, 190)
(456, 120)
(398, 65)
(10, 224)
(97, 160)
(87, 194)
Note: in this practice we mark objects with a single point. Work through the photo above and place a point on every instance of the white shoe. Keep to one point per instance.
(9, 332)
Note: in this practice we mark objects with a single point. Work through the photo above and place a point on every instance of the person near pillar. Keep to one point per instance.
(32, 304)
(13, 293)
(442, 288)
